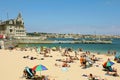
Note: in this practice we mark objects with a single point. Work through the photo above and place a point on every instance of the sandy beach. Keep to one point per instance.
(13, 64)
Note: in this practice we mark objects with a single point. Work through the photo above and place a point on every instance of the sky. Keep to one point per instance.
(65, 16)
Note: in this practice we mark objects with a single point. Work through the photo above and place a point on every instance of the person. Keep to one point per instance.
(94, 59)
(68, 60)
(71, 59)
(76, 53)
(108, 52)
(84, 61)
(90, 77)
(81, 60)
(65, 64)
(80, 50)
(112, 73)
(28, 73)
(0, 47)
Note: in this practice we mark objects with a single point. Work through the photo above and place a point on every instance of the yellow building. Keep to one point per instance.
(13, 27)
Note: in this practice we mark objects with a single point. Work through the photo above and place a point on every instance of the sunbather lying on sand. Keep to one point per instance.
(112, 73)
(91, 77)
(65, 64)
(94, 59)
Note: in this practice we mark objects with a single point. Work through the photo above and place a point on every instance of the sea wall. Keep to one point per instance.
(72, 42)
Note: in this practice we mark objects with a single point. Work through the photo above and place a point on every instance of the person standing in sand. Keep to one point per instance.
(81, 60)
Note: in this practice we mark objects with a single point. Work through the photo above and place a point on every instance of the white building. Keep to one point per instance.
(13, 27)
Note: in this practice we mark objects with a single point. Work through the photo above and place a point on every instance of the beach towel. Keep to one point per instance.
(64, 69)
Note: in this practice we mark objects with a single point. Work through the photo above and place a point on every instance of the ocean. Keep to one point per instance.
(97, 48)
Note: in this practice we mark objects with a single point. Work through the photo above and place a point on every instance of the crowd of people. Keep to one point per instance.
(86, 60)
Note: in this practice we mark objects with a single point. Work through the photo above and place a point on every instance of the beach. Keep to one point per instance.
(60, 40)
(13, 63)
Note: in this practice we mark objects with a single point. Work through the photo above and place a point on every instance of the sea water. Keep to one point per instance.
(99, 48)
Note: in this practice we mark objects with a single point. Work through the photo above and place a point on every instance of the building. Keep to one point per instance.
(13, 27)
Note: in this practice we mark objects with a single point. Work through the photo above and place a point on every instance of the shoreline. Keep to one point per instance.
(75, 47)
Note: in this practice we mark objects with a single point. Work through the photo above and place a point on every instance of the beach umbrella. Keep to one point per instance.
(109, 63)
(39, 68)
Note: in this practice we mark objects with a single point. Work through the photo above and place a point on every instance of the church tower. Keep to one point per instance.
(20, 19)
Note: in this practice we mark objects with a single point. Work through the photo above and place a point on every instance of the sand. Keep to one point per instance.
(13, 64)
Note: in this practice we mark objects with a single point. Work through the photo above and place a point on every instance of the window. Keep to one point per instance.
(11, 30)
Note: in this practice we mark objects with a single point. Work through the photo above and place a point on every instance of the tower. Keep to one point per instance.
(20, 19)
